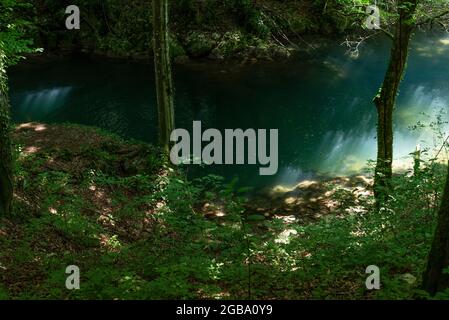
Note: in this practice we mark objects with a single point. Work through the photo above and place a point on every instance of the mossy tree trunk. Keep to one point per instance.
(386, 98)
(162, 64)
(6, 186)
(434, 280)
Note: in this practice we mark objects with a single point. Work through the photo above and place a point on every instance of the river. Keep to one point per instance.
(320, 101)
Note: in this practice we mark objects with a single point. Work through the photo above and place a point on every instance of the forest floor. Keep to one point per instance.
(137, 229)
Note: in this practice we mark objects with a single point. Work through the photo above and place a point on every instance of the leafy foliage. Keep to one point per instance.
(14, 30)
(153, 234)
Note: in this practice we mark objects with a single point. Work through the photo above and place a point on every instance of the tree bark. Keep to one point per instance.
(162, 64)
(386, 98)
(434, 280)
(6, 186)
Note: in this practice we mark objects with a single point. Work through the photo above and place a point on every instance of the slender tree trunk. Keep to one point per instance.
(162, 64)
(434, 280)
(6, 186)
(386, 98)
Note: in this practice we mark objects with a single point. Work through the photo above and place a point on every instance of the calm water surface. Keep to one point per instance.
(319, 101)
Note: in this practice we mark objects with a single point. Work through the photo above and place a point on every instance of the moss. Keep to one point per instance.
(199, 44)
(176, 49)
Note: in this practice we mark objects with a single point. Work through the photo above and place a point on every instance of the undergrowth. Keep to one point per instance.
(137, 230)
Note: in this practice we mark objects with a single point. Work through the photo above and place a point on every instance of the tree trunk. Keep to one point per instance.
(434, 280)
(162, 65)
(6, 186)
(386, 98)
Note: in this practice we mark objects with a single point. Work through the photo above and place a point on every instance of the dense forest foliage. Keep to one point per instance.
(198, 28)
(137, 226)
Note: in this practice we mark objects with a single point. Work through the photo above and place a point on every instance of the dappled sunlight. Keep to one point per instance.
(33, 126)
(285, 236)
(286, 219)
(336, 70)
(347, 153)
(435, 48)
(213, 210)
(420, 115)
(44, 101)
(110, 243)
(432, 52)
(3, 232)
(307, 184)
(31, 150)
(290, 200)
(103, 204)
(315, 199)
(290, 175)
(279, 190)
(109, 200)
(101, 195)
(358, 233)
(356, 210)
(23, 198)
(106, 218)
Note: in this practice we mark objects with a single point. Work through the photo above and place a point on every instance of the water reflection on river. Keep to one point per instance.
(320, 102)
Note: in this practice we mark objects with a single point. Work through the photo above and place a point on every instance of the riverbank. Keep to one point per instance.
(207, 29)
(139, 230)
(78, 153)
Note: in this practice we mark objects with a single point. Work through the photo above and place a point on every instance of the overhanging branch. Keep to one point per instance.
(431, 19)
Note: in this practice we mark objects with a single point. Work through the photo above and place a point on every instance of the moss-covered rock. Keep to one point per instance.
(199, 44)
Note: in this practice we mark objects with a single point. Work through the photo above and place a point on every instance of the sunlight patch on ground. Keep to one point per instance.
(22, 199)
(106, 218)
(101, 195)
(32, 125)
(286, 219)
(444, 42)
(307, 184)
(356, 210)
(40, 128)
(358, 233)
(31, 150)
(111, 244)
(279, 190)
(212, 210)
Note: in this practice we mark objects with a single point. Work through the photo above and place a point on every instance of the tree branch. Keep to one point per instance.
(431, 19)
(387, 33)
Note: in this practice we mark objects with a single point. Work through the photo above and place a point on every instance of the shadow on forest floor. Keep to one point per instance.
(136, 228)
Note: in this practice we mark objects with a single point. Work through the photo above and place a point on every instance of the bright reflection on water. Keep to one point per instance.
(321, 103)
(44, 101)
